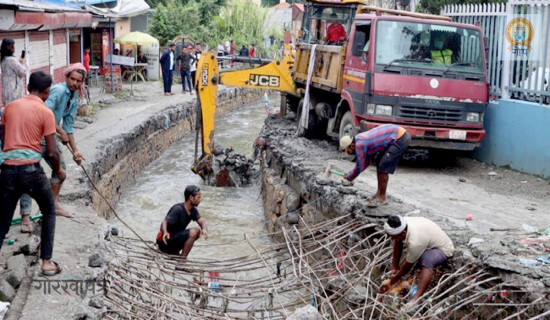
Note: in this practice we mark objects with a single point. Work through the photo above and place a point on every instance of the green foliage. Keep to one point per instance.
(212, 22)
(242, 21)
(434, 6)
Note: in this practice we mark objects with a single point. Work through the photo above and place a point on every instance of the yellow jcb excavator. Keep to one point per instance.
(270, 75)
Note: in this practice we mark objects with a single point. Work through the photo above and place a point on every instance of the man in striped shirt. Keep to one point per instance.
(383, 145)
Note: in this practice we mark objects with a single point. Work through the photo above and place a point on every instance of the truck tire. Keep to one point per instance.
(347, 127)
(311, 130)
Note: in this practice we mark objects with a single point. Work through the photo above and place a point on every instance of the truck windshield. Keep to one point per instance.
(427, 45)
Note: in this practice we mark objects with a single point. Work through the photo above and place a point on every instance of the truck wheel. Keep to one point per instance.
(347, 127)
(311, 130)
(292, 103)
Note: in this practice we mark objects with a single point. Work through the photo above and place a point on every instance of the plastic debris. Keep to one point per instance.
(413, 291)
(475, 240)
(529, 228)
(544, 258)
(529, 262)
(469, 217)
(492, 173)
(4, 306)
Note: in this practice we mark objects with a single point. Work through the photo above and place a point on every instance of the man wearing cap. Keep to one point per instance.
(383, 145)
(425, 243)
(173, 237)
(63, 100)
(167, 62)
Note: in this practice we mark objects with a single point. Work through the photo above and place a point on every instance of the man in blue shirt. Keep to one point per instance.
(63, 101)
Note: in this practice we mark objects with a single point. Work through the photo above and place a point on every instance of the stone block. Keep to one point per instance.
(95, 261)
(17, 262)
(7, 293)
(305, 313)
(15, 277)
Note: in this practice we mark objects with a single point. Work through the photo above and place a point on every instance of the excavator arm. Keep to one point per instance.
(270, 75)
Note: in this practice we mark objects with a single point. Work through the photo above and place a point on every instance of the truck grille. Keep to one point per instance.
(430, 113)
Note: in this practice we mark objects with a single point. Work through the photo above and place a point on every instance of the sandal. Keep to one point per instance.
(49, 273)
(27, 228)
(377, 203)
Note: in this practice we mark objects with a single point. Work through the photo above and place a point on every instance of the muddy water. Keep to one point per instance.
(229, 212)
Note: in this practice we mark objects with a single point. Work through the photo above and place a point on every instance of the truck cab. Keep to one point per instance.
(428, 76)
(422, 72)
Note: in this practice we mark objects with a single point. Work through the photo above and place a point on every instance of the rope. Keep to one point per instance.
(108, 203)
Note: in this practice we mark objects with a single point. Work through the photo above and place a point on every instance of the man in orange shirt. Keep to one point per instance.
(24, 123)
(336, 34)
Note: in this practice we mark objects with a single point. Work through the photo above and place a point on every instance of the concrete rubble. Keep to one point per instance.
(297, 165)
(305, 313)
(230, 169)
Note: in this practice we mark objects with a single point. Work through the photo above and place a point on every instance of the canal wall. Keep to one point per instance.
(121, 160)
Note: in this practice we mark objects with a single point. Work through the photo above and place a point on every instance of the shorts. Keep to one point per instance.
(175, 243)
(432, 258)
(55, 178)
(389, 160)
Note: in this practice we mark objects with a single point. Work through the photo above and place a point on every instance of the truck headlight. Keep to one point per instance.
(370, 108)
(384, 110)
(474, 116)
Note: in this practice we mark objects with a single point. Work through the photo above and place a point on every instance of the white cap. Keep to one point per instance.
(345, 142)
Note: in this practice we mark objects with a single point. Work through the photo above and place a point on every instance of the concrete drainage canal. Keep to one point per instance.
(307, 251)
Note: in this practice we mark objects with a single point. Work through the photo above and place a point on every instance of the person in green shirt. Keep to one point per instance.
(441, 54)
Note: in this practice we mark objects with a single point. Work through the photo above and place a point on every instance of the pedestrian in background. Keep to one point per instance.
(184, 62)
(244, 51)
(141, 58)
(14, 72)
(193, 67)
(167, 62)
(252, 51)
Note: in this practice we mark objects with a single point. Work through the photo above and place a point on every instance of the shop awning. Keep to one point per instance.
(122, 9)
(32, 20)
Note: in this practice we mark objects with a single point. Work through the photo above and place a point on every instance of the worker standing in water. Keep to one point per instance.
(174, 237)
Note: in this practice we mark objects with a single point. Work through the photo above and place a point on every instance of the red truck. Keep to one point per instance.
(422, 72)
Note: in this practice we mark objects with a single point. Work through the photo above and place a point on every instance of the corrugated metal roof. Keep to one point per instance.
(95, 2)
(39, 6)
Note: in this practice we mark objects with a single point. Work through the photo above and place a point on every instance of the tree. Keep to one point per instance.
(176, 18)
(212, 22)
